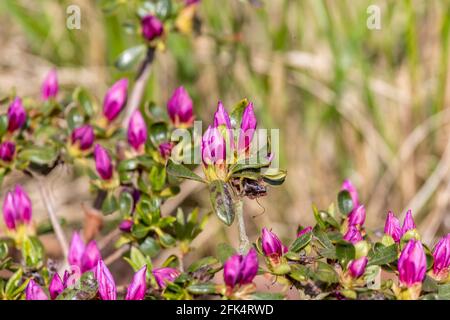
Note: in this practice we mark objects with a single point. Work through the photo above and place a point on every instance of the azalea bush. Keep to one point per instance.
(137, 156)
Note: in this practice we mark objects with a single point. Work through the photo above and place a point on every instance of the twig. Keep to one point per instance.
(116, 255)
(108, 238)
(139, 86)
(244, 243)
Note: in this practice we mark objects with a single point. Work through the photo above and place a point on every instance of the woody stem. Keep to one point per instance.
(244, 243)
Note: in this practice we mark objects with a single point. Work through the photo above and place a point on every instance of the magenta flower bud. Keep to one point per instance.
(115, 99)
(34, 291)
(408, 223)
(240, 270)
(7, 151)
(189, 2)
(412, 263)
(9, 211)
(16, 208)
(304, 231)
(357, 216)
(16, 115)
(221, 117)
(103, 162)
(165, 149)
(84, 136)
(106, 284)
(164, 275)
(353, 235)
(138, 286)
(50, 85)
(137, 130)
(213, 146)
(271, 244)
(248, 127)
(91, 256)
(357, 267)
(152, 27)
(441, 255)
(126, 225)
(76, 250)
(392, 227)
(180, 108)
(56, 286)
(348, 186)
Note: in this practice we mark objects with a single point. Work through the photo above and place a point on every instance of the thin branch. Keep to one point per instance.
(116, 255)
(244, 243)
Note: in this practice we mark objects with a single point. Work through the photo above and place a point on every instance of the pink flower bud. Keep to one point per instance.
(91, 256)
(348, 186)
(392, 227)
(412, 263)
(115, 99)
(76, 250)
(106, 284)
(441, 255)
(7, 151)
(152, 27)
(353, 235)
(16, 115)
(126, 225)
(103, 162)
(17, 208)
(137, 130)
(221, 117)
(240, 270)
(164, 275)
(165, 149)
(357, 267)
(248, 127)
(271, 244)
(304, 231)
(357, 216)
(34, 291)
(408, 223)
(50, 85)
(213, 147)
(56, 286)
(138, 286)
(179, 108)
(84, 136)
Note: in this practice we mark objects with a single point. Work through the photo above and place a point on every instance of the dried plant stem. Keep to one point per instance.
(116, 255)
(48, 203)
(244, 243)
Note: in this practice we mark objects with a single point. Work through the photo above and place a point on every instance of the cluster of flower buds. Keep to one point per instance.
(17, 209)
(392, 226)
(17, 117)
(165, 275)
(441, 257)
(239, 271)
(83, 256)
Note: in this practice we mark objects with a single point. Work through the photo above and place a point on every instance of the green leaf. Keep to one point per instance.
(130, 57)
(3, 124)
(345, 202)
(301, 242)
(140, 231)
(41, 155)
(267, 296)
(84, 100)
(202, 288)
(203, 263)
(32, 251)
(381, 255)
(444, 291)
(180, 171)
(110, 204)
(74, 119)
(126, 203)
(326, 273)
(237, 112)
(88, 288)
(166, 240)
(158, 133)
(345, 252)
(224, 251)
(157, 177)
(328, 251)
(222, 201)
(150, 247)
(3, 250)
(13, 283)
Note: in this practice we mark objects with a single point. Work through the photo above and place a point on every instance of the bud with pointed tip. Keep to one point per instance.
(213, 147)
(152, 27)
(408, 223)
(348, 186)
(34, 291)
(412, 264)
(50, 85)
(91, 256)
(115, 99)
(7, 151)
(357, 267)
(17, 208)
(441, 255)
(271, 244)
(180, 108)
(357, 216)
(16, 115)
(165, 149)
(103, 162)
(106, 284)
(76, 250)
(248, 127)
(164, 275)
(56, 286)
(84, 136)
(240, 270)
(304, 231)
(137, 130)
(138, 286)
(353, 235)
(221, 117)
(392, 227)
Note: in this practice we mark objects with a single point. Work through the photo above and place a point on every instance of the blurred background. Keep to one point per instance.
(371, 105)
